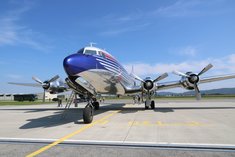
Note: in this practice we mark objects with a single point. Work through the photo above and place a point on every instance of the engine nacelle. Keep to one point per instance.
(188, 82)
(148, 84)
(55, 87)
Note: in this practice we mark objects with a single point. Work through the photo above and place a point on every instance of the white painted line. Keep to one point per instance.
(133, 143)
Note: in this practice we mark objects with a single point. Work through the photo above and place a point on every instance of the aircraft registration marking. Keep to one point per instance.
(102, 120)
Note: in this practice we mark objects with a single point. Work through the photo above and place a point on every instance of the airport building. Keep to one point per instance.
(6, 97)
(10, 97)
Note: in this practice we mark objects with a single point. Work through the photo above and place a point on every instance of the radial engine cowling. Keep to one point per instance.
(189, 82)
(148, 84)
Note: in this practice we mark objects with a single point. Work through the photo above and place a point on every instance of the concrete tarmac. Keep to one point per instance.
(174, 128)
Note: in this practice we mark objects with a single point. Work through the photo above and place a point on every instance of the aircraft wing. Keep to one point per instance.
(26, 84)
(175, 84)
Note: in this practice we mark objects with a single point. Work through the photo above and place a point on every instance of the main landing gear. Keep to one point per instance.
(88, 111)
(149, 104)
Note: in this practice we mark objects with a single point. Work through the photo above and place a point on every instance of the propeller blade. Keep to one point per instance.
(180, 73)
(161, 77)
(54, 78)
(138, 78)
(197, 92)
(37, 80)
(205, 69)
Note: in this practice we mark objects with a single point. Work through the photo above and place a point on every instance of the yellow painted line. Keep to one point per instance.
(161, 124)
(71, 135)
(103, 122)
(146, 123)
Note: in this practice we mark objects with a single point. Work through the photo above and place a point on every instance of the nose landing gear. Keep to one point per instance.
(88, 111)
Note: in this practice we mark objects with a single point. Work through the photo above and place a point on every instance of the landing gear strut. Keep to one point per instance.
(88, 111)
(149, 103)
(96, 105)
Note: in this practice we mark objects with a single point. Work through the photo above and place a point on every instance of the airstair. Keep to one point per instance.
(68, 104)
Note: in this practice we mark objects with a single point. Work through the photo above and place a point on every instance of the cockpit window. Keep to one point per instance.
(81, 51)
(90, 52)
(101, 54)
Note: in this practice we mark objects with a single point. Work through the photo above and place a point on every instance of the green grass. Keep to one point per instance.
(3, 103)
(38, 102)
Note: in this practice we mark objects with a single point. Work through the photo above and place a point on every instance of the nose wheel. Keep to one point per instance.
(88, 111)
(88, 114)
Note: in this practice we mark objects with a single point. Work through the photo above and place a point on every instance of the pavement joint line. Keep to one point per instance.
(37, 152)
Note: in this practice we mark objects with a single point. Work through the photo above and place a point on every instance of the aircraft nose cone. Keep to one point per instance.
(78, 63)
(71, 65)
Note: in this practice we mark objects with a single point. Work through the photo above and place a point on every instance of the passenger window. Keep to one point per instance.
(90, 52)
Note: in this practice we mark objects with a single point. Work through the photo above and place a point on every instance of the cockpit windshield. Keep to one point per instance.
(80, 51)
(90, 52)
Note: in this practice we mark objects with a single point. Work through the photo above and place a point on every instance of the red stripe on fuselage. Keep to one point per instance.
(109, 57)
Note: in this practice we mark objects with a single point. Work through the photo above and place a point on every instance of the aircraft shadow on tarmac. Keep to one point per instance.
(75, 114)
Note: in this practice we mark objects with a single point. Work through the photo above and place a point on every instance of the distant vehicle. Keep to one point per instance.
(25, 97)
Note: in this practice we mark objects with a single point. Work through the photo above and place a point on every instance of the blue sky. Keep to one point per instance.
(155, 36)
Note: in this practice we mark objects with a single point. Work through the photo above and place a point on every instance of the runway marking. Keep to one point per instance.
(103, 122)
(71, 135)
(161, 124)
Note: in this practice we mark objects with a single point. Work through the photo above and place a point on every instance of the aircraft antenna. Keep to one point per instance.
(92, 43)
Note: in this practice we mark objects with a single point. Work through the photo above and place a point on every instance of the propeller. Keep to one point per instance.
(194, 78)
(161, 77)
(46, 84)
(148, 83)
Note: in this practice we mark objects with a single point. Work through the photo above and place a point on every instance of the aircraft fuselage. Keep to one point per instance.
(100, 70)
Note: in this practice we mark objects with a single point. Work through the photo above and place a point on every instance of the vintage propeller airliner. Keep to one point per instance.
(92, 71)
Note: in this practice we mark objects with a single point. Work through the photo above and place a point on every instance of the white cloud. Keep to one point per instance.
(133, 21)
(13, 33)
(192, 8)
(117, 31)
(180, 8)
(231, 59)
(225, 65)
(221, 66)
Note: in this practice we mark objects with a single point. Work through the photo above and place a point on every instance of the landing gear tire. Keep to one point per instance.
(152, 105)
(88, 114)
(96, 105)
